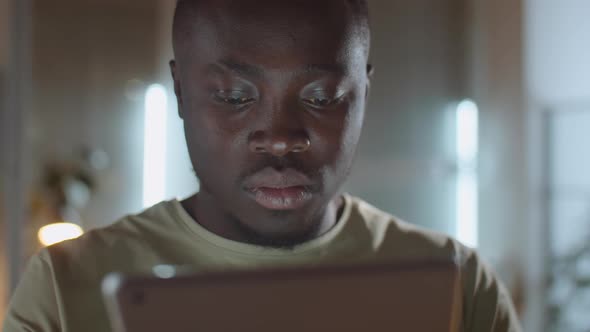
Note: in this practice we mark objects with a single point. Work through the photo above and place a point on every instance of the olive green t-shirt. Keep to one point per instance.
(60, 289)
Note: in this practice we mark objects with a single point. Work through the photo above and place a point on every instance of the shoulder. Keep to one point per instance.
(487, 303)
(63, 277)
(111, 246)
(401, 240)
(33, 305)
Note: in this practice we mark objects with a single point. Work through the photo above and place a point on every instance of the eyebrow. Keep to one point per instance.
(250, 70)
(325, 68)
(240, 68)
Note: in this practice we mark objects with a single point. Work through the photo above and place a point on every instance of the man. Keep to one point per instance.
(272, 95)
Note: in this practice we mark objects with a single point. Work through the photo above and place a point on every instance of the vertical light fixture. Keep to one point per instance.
(154, 146)
(467, 146)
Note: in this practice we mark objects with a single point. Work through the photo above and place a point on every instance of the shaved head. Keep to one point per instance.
(187, 12)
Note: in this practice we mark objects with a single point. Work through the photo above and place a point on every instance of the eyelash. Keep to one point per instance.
(236, 101)
(240, 102)
(319, 102)
(232, 100)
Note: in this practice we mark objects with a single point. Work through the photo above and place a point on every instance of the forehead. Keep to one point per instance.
(273, 33)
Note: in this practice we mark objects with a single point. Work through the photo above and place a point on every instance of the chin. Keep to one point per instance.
(285, 226)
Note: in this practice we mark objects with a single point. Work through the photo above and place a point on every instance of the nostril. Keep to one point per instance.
(278, 146)
(301, 146)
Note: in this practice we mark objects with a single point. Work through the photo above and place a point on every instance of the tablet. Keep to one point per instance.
(418, 297)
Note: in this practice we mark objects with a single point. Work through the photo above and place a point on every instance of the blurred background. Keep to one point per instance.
(478, 127)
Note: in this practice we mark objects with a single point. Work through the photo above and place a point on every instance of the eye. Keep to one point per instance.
(233, 97)
(323, 100)
(318, 101)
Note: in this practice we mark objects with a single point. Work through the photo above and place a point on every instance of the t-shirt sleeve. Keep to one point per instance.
(33, 307)
(487, 304)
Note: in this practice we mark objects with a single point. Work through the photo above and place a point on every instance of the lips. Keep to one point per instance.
(279, 190)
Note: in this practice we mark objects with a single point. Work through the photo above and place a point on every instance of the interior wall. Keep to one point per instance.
(428, 56)
(91, 64)
(5, 9)
(4, 24)
(557, 50)
(497, 84)
(405, 162)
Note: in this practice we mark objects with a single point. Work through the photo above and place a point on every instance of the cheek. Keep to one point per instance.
(338, 136)
(214, 154)
(352, 130)
(212, 140)
(209, 128)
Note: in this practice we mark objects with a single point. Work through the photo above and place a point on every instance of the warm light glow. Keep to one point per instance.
(154, 158)
(467, 133)
(59, 232)
(467, 200)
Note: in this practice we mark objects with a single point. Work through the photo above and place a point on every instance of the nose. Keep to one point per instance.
(282, 135)
(280, 146)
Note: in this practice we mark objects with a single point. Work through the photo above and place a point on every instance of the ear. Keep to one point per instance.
(177, 89)
(370, 71)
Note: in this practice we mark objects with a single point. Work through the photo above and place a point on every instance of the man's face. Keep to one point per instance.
(272, 94)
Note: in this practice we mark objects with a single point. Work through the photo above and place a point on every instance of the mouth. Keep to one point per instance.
(279, 190)
(281, 199)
